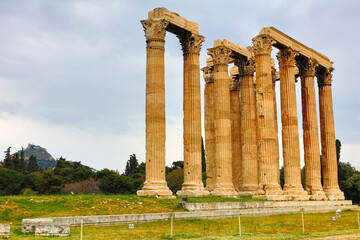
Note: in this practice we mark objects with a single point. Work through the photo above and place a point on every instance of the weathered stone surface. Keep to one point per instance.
(235, 117)
(209, 111)
(273, 75)
(4, 230)
(47, 230)
(155, 184)
(223, 152)
(310, 129)
(28, 225)
(266, 131)
(328, 149)
(249, 160)
(285, 41)
(289, 120)
(193, 185)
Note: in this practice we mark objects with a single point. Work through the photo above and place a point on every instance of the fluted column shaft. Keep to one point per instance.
(289, 120)
(223, 155)
(273, 74)
(235, 132)
(266, 131)
(328, 146)
(209, 111)
(155, 183)
(192, 186)
(250, 182)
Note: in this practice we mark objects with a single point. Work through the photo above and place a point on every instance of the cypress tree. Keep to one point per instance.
(33, 165)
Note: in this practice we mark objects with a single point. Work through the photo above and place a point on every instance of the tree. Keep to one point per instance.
(175, 180)
(72, 172)
(131, 165)
(11, 181)
(203, 158)
(15, 159)
(282, 176)
(112, 182)
(22, 164)
(32, 165)
(338, 149)
(7, 160)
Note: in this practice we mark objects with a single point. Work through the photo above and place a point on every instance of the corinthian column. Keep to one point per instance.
(289, 120)
(310, 128)
(273, 75)
(193, 185)
(250, 182)
(266, 130)
(209, 111)
(235, 116)
(155, 184)
(224, 185)
(328, 147)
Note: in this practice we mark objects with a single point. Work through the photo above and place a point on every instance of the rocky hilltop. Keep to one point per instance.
(44, 159)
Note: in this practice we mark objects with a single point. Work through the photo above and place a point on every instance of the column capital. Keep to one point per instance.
(234, 83)
(263, 44)
(191, 43)
(325, 78)
(246, 67)
(208, 74)
(306, 67)
(220, 54)
(286, 57)
(154, 29)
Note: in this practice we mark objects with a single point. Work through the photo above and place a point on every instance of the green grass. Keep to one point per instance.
(14, 208)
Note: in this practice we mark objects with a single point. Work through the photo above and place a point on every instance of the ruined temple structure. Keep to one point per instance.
(241, 126)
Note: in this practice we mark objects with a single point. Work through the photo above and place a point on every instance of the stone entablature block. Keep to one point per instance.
(4, 230)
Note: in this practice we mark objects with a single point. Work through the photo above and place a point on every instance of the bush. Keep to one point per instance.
(84, 187)
(29, 192)
(175, 179)
(11, 182)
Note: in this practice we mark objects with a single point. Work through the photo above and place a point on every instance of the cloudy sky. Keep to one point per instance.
(72, 73)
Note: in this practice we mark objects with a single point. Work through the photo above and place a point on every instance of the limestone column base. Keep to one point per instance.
(221, 190)
(316, 193)
(294, 190)
(211, 188)
(249, 188)
(334, 194)
(193, 191)
(155, 189)
(246, 193)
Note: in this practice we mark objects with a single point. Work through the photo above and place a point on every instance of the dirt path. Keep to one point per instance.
(351, 236)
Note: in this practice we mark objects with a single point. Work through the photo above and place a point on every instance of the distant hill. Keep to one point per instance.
(44, 159)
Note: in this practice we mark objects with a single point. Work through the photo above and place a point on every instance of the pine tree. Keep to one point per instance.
(7, 159)
(203, 158)
(32, 165)
(131, 165)
(15, 162)
(22, 164)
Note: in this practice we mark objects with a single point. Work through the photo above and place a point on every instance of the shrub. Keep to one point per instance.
(89, 186)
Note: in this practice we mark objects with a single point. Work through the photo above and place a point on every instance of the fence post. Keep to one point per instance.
(239, 226)
(358, 219)
(302, 218)
(172, 219)
(81, 230)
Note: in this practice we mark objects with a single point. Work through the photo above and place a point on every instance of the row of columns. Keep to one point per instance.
(245, 129)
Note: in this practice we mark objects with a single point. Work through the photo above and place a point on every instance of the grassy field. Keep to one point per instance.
(289, 226)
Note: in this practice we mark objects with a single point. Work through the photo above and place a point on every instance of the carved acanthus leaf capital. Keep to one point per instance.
(155, 29)
(234, 83)
(246, 67)
(325, 78)
(306, 66)
(191, 43)
(262, 44)
(220, 54)
(208, 74)
(286, 57)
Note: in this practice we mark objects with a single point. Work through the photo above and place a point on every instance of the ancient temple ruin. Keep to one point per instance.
(241, 126)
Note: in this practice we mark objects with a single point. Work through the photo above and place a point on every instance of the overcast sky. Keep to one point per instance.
(72, 73)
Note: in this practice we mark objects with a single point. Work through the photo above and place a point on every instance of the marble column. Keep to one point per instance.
(223, 152)
(266, 130)
(193, 185)
(328, 145)
(209, 111)
(155, 183)
(235, 116)
(250, 181)
(313, 186)
(273, 75)
(289, 120)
